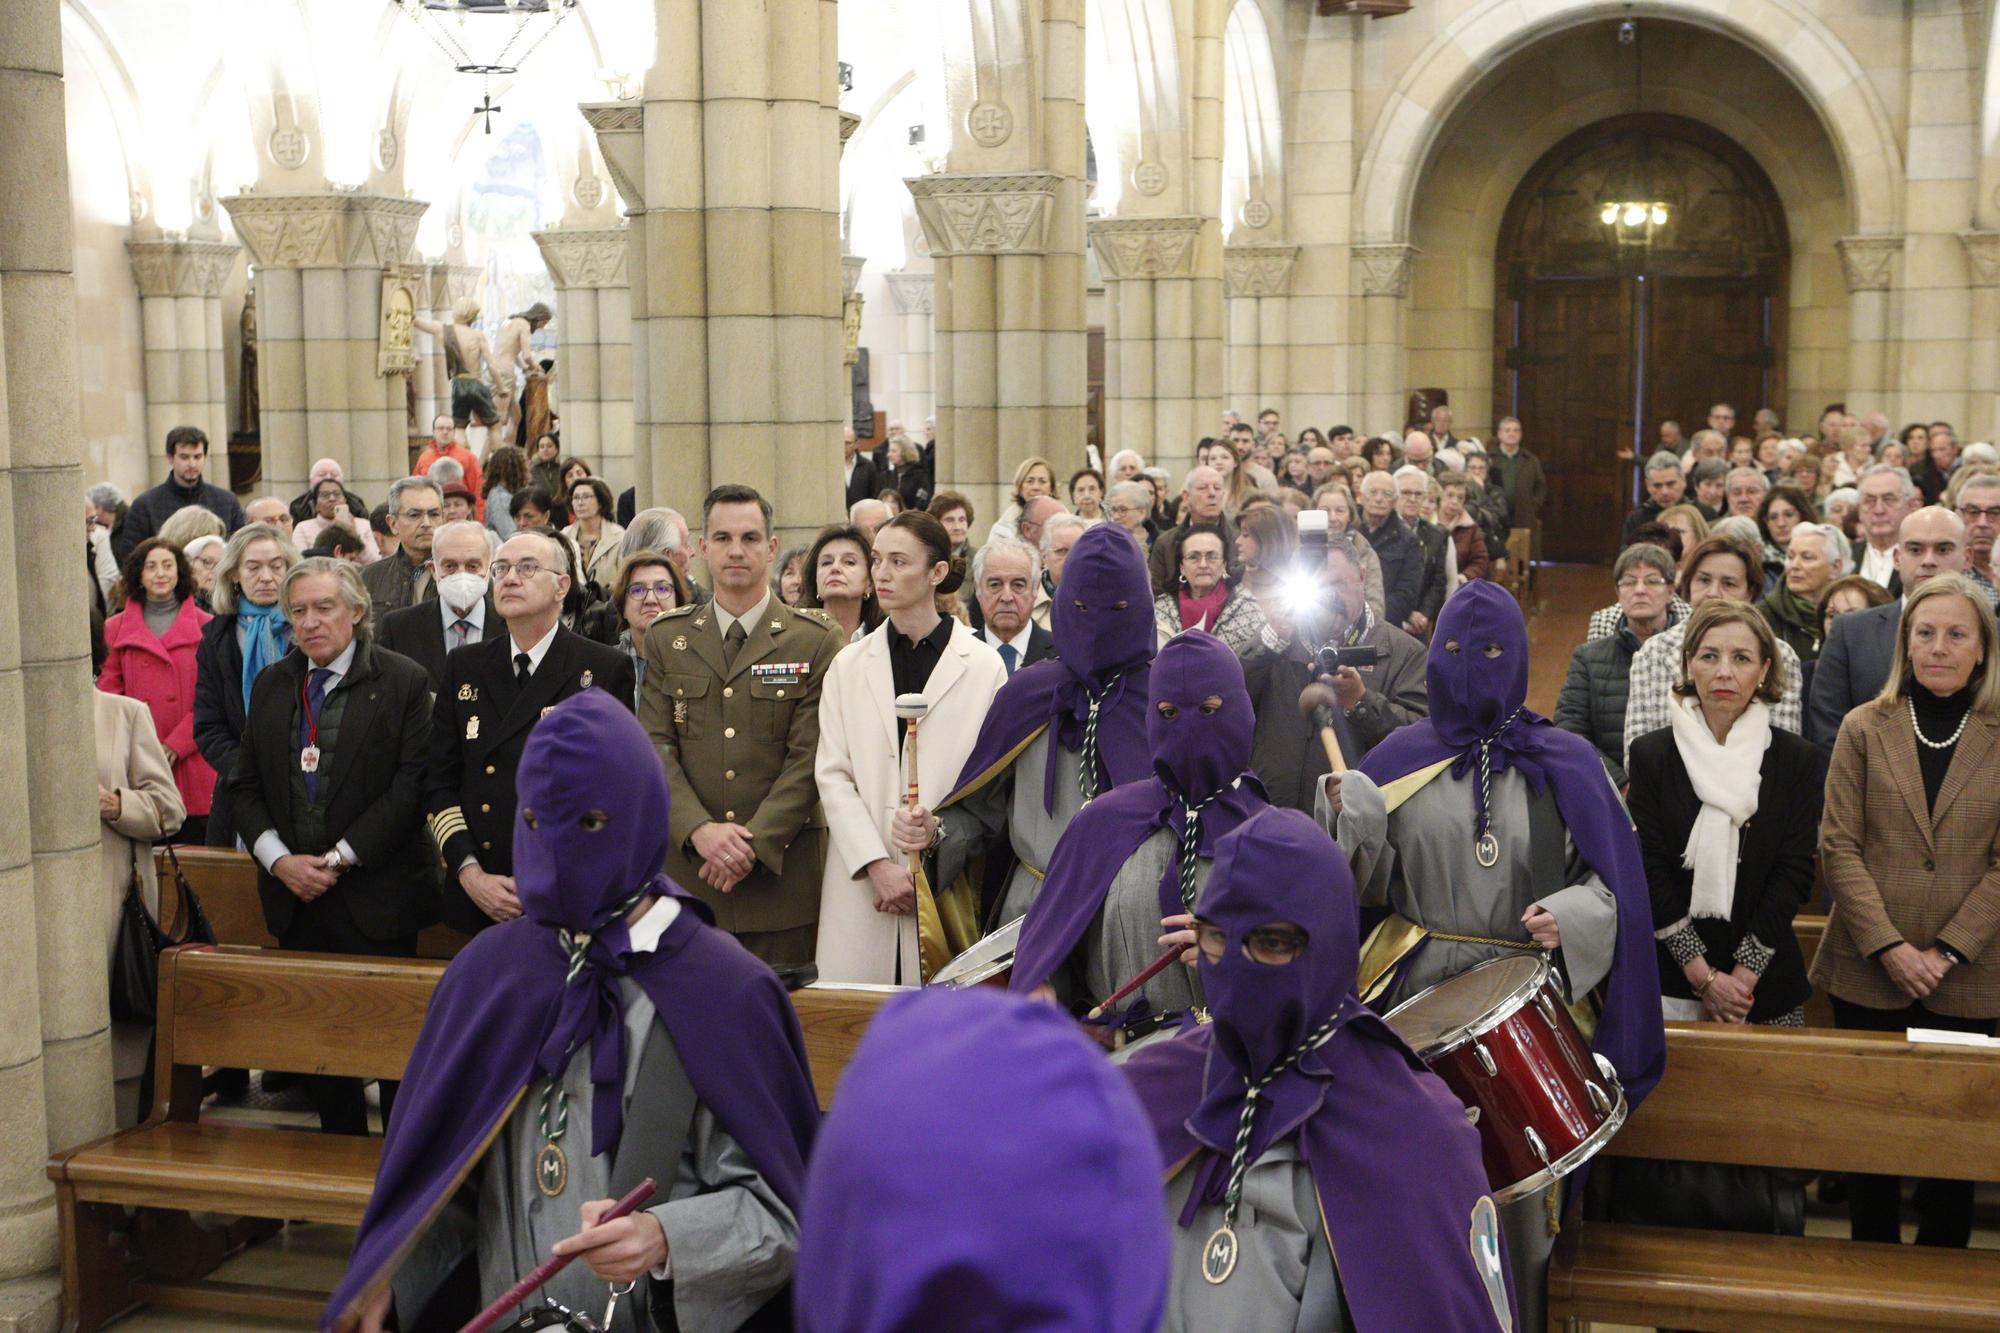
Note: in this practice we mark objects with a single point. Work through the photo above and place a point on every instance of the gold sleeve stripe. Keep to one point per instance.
(446, 823)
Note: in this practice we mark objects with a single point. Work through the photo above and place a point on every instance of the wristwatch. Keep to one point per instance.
(335, 861)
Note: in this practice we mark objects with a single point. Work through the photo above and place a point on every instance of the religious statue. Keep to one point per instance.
(247, 374)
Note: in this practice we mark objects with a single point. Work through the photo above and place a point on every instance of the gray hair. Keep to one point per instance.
(1647, 554)
(445, 471)
(1707, 470)
(860, 507)
(1410, 470)
(397, 490)
(223, 597)
(1901, 474)
(189, 522)
(1006, 546)
(1838, 551)
(1979, 451)
(1131, 492)
(1120, 456)
(1666, 460)
(1980, 479)
(462, 525)
(564, 558)
(1738, 527)
(1060, 523)
(1763, 482)
(348, 576)
(651, 530)
(103, 496)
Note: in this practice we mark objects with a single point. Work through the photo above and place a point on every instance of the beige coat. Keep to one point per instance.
(1903, 873)
(861, 783)
(132, 762)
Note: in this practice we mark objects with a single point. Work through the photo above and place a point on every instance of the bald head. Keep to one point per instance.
(1037, 512)
(1930, 542)
(1417, 448)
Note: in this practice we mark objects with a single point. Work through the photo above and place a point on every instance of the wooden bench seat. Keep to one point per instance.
(234, 1169)
(1800, 1099)
(226, 883)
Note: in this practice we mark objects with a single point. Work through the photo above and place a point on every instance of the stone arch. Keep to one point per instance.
(121, 97)
(1253, 181)
(1433, 86)
(1133, 69)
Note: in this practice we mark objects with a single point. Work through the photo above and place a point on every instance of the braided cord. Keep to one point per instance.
(1239, 1155)
(1086, 759)
(1190, 843)
(1486, 774)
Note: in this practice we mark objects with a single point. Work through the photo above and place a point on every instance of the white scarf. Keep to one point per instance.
(1726, 776)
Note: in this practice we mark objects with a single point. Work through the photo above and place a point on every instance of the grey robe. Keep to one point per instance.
(1285, 1277)
(1012, 803)
(1419, 861)
(731, 1242)
(1125, 937)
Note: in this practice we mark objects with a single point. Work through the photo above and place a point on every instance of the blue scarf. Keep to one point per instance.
(267, 636)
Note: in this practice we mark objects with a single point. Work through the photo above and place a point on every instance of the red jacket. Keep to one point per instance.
(462, 456)
(159, 673)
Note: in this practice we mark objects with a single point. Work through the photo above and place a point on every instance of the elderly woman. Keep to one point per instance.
(1130, 506)
(1456, 518)
(1086, 494)
(249, 633)
(1204, 597)
(1592, 703)
(954, 510)
(788, 576)
(149, 656)
(646, 587)
(1815, 556)
(329, 507)
(1849, 592)
(597, 538)
(203, 555)
(838, 579)
(1916, 896)
(1338, 503)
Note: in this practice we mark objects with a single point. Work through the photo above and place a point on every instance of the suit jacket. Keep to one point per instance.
(218, 716)
(479, 726)
(738, 744)
(1403, 558)
(867, 479)
(372, 779)
(1895, 584)
(1853, 667)
(1041, 644)
(1901, 872)
(418, 633)
(1774, 866)
(1430, 588)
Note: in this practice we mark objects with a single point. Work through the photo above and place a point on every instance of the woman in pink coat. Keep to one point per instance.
(149, 656)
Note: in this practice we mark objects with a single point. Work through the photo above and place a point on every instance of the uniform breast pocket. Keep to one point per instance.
(687, 699)
(775, 702)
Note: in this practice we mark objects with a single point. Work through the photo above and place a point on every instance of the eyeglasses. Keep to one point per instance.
(1974, 513)
(1272, 945)
(1117, 508)
(527, 569)
(1201, 557)
(663, 591)
(420, 515)
(1653, 584)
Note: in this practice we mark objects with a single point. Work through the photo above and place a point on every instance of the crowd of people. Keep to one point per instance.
(1239, 714)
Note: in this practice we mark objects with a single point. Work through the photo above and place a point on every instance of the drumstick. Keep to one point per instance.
(552, 1265)
(1151, 970)
(912, 708)
(1317, 702)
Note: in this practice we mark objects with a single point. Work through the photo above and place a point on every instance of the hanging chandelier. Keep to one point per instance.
(1633, 206)
(499, 38)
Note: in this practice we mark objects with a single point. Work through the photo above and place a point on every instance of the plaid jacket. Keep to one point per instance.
(1604, 621)
(1656, 668)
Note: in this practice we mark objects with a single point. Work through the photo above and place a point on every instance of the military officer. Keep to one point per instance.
(732, 703)
(493, 692)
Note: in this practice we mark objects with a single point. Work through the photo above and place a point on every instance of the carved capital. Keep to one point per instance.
(1867, 261)
(1257, 270)
(912, 293)
(585, 256)
(850, 273)
(621, 136)
(965, 214)
(1146, 247)
(1983, 249)
(326, 230)
(448, 282)
(849, 123)
(181, 268)
(1385, 269)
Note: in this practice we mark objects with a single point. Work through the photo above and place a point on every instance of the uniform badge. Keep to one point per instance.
(680, 712)
(472, 728)
(466, 694)
(777, 625)
(680, 642)
(583, 681)
(550, 709)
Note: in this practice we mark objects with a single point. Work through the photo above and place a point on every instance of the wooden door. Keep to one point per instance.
(1573, 372)
(1709, 340)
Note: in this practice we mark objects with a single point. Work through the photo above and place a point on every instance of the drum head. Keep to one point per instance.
(990, 956)
(1469, 1003)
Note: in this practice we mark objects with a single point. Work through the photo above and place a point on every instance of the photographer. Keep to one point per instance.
(1374, 671)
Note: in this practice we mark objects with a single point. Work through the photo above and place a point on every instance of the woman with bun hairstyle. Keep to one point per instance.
(868, 900)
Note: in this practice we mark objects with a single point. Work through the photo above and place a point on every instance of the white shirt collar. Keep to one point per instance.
(339, 666)
(1020, 640)
(724, 620)
(476, 617)
(538, 651)
(648, 929)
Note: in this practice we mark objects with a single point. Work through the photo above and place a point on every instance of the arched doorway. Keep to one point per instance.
(1603, 330)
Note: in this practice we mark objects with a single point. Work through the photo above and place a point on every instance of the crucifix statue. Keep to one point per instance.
(486, 109)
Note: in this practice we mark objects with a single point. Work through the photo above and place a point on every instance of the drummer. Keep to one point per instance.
(1354, 1151)
(1133, 861)
(1488, 831)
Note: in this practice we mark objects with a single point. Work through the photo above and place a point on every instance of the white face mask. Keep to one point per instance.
(462, 591)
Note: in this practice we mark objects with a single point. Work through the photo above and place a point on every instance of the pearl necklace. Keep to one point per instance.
(1926, 741)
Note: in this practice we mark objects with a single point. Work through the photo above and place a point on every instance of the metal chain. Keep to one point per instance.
(1240, 1154)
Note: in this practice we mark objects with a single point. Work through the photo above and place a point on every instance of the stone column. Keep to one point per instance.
(320, 261)
(1868, 263)
(55, 1056)
(1982, 250)
(1162, 334)
(913, 296)
(1255, 282)
(729, 168)
(593, 384)
(1384, 279)
(180, 316)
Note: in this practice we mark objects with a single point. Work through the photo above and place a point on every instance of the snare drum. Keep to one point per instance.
(1499, 1036)
(987, 963)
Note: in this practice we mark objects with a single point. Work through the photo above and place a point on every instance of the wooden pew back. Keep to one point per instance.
(226, 884)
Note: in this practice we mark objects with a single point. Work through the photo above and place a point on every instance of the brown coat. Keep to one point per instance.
(1900, 873)
(132, 762)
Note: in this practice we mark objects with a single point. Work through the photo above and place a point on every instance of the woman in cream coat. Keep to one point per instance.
(137, 802)
(867, 910)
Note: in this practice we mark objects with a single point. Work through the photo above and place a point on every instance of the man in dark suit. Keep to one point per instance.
(328, 793)
(1860, 646)
(1005, 574)
(864, 478)
(493, 692)
(463, 612)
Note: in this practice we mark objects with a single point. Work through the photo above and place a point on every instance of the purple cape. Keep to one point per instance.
(1471, 696)
(1102, 622)
(984, 1168)
(1397, 1168)
(589, 834)
(1194, 753)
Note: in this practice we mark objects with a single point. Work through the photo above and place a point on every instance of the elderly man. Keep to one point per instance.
(1979, 509)
(1440, 555)
(1706, 444)
(1722, 420)
(463, 612)
(1130, 503)
(1035, 517)
(1888, 496)
(1592, 703)
(1440, 434)
(1710, 478)
(416, 511)
(1671, 438)
(269, 509)
(1399, 550)
(327, 792)
(1877, 426)
(868, 515)
(1420, 452)
(858, 469)
(1320, 464)
(1205, 491)
(1792, 605)
(1666, 484)
(1744, 489)
(1860, 647)
(1058, 535)
(1006, 576)
(1933, 473)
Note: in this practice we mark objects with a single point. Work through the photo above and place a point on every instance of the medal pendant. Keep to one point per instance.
(1487, 849)
(309, 759)
(1218, 1256)
(551, 1169)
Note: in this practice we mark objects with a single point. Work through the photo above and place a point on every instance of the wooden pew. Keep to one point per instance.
(1808, 1100)
(298, 1012)
(226, 884)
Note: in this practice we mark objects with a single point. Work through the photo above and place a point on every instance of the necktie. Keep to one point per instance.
(308, 725)
(731, 643)
(1009, 658)
(521, 670)
(462, 630)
